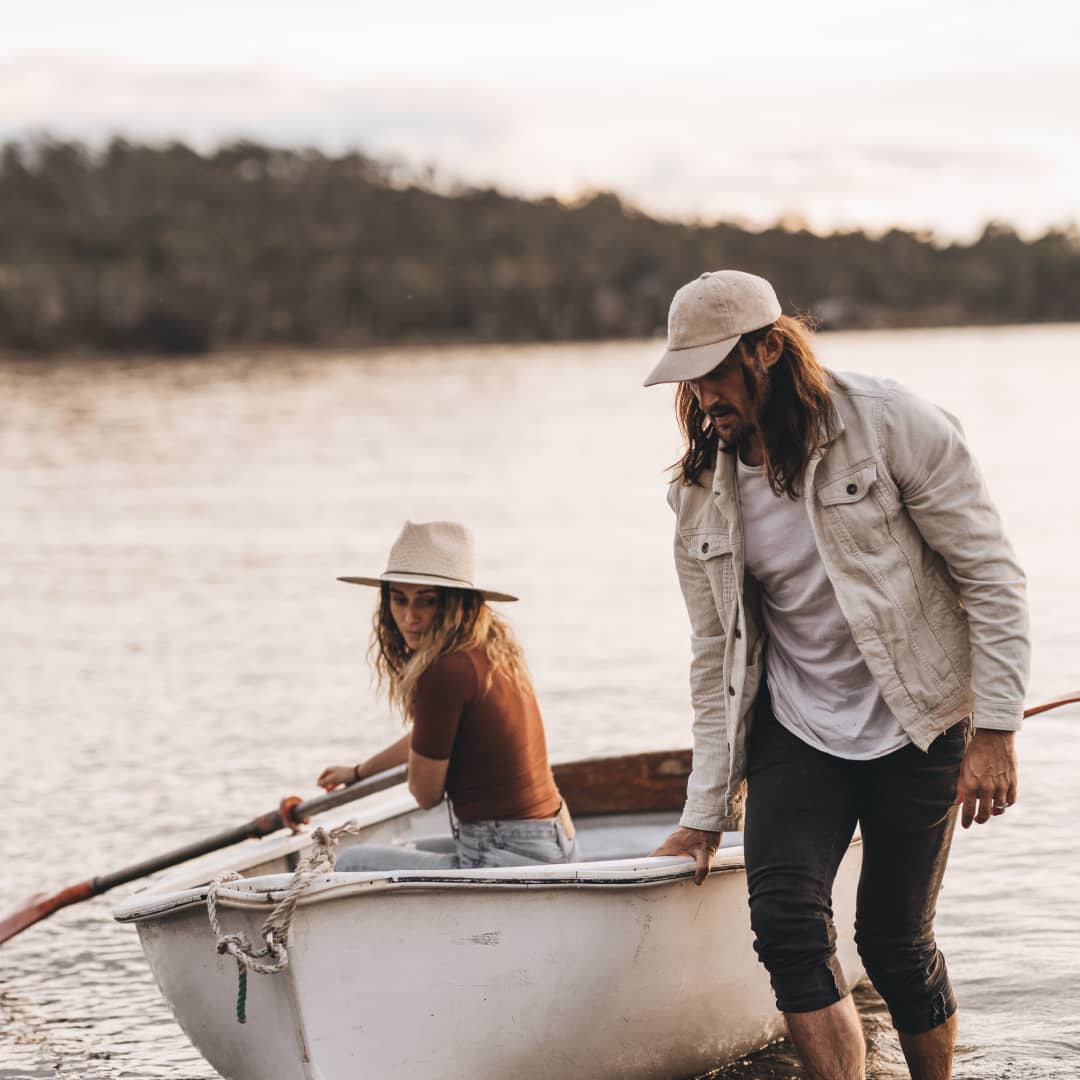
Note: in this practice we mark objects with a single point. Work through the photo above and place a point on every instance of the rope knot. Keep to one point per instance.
(233, 943)
(275, 930)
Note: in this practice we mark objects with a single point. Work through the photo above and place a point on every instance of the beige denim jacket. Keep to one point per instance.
(930, 587)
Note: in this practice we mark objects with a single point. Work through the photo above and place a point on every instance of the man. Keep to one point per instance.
(859, 656)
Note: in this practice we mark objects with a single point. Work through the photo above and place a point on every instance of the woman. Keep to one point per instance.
(452, 667)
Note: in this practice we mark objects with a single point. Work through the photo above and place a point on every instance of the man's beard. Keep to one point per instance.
(740, 437)
(759, 390)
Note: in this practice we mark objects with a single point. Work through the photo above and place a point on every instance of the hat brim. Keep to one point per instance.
(685, 365)
(427, 579)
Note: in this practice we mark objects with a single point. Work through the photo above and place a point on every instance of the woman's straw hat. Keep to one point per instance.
(432, 553)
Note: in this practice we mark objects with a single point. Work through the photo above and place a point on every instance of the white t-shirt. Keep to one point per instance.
(821, 688)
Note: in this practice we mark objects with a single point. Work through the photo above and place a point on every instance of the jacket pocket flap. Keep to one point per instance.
(707, 543)
(848, 489)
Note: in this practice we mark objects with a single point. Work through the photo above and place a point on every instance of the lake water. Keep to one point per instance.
(176, 654)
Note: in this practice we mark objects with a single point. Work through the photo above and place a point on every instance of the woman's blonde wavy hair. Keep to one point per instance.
(463, 621)
(795, 412)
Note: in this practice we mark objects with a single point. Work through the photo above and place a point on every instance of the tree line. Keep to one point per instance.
(164, 249)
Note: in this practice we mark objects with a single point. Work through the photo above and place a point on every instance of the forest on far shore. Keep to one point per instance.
(162, 249)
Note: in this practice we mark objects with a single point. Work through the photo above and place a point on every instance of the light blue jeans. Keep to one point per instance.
(478, 843)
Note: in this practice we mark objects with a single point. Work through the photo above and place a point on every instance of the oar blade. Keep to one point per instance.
(41, 906)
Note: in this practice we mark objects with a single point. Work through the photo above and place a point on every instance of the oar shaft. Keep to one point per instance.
(182, 854)
(263, 825)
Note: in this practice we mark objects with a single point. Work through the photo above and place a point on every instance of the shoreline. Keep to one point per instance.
(277, 350)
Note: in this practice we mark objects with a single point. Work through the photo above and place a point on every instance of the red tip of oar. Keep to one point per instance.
(41, 906)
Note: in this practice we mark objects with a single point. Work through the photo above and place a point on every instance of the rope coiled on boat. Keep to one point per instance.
(274, 956)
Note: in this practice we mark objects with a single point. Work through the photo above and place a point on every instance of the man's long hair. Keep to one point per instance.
(791, 403)
(463, 621)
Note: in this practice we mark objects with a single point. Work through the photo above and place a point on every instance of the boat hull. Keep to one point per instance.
(639, 974)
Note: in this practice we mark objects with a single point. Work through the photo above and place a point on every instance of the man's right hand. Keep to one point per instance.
(699, 845)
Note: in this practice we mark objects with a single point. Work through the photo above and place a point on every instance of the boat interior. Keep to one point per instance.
(623, 807)
(600, 836)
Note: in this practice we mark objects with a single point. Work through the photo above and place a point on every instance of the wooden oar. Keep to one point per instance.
(1068, 699)
(291, 812)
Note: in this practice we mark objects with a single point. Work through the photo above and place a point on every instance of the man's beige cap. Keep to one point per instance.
(706, 320)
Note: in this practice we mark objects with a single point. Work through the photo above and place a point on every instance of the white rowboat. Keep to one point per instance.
(618, 966)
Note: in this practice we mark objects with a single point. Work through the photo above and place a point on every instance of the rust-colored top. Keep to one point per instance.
(494, 739)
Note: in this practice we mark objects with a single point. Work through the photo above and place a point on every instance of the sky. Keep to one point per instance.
(937, 116)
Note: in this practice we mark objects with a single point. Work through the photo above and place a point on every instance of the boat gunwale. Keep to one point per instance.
(247, 893)
(334, 886)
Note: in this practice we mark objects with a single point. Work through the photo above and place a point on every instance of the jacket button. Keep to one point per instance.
(705, 548)
(738, 633)
(852, 488)
(731, 691)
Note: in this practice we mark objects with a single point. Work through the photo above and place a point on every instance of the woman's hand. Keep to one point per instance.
(334, 776)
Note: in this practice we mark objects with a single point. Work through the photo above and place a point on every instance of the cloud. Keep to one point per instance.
(92, 99)
(944, 154)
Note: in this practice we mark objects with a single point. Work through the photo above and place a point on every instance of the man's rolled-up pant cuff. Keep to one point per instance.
(809, 991)
(924, 1017)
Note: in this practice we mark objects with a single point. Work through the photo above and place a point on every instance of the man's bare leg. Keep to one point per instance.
(830, 1041)
(929, 1055)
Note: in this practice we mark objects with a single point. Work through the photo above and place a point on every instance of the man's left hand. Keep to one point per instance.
(987, 784)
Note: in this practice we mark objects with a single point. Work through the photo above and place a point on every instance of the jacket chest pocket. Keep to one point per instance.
(712, 549)
(855, 508)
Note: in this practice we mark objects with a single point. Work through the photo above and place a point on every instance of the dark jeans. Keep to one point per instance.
(802, 807)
